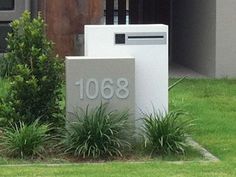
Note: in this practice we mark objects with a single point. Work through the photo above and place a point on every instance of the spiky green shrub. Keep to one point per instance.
(98, 133)
(166, 133)
(35, 75)
(4, 86)
(21, 140)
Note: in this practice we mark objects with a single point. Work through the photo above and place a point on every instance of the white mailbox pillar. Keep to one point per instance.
(148, 44)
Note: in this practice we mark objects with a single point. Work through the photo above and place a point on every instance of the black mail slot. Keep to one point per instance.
(145, 37)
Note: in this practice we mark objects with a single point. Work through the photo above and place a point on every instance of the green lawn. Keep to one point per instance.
(124, 170)
(212, 103)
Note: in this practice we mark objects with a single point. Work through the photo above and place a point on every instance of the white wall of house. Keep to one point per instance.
(226, 38)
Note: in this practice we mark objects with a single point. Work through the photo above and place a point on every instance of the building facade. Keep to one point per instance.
(203, 36)
(202, 32)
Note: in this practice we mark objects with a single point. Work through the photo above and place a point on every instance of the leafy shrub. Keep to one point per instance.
(165, 134)
(35, 75)
(21, 140)
(3, 67)
(4, 86)
(98, 133)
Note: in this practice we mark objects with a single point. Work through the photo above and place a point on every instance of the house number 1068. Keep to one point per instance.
(107, 88)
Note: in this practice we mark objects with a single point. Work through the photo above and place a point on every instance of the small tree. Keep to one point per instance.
(34, 72)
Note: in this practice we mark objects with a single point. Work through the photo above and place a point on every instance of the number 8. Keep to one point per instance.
(122, 84)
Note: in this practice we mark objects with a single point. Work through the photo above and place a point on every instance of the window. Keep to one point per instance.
(112, 11)
(7, 4)
(4, 29)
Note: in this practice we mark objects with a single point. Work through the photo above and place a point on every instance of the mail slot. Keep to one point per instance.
(158, 38)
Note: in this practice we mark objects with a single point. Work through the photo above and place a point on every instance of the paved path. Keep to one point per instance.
(177, 71)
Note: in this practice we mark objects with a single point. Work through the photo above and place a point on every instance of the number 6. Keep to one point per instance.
(107, 84)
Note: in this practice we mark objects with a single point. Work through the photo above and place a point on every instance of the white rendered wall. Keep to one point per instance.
(151, 62)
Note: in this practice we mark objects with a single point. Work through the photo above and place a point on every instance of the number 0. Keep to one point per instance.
(89, 84)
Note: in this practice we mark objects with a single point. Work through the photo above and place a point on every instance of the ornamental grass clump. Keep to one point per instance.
(166, 133)
(25, 141)
(98, 133)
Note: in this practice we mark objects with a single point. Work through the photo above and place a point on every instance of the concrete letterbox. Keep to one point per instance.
(92, 80)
